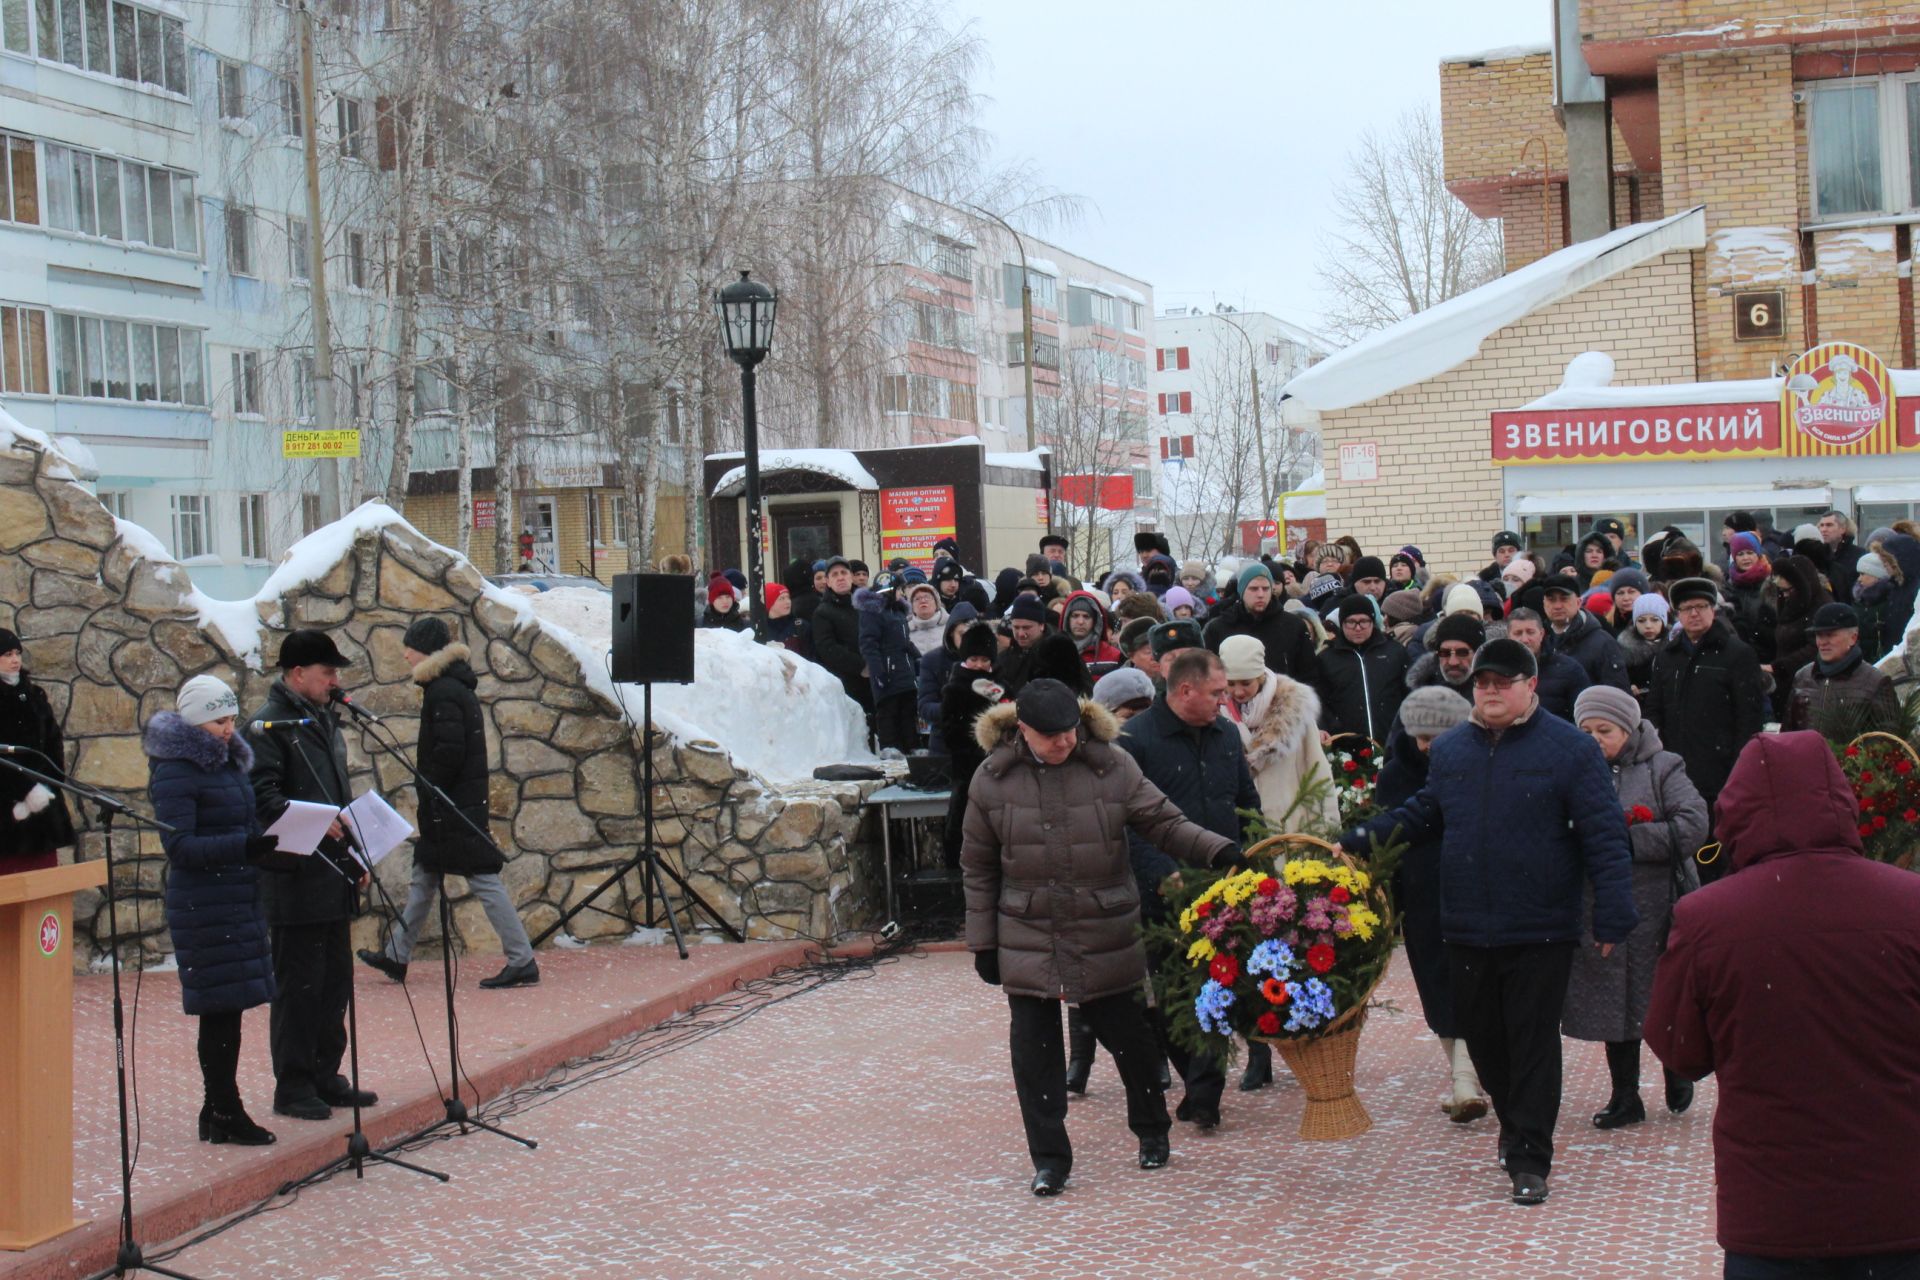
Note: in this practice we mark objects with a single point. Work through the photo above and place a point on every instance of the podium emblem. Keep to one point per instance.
(49, 933)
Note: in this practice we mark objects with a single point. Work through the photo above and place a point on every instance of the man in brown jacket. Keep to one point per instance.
(1840, 693)
(1053, 912)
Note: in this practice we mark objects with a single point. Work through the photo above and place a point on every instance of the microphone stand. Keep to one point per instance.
(129, 1257)
(458, 1114)
(359, 1150)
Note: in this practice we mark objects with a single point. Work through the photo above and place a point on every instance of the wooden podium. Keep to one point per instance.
(36, 1051)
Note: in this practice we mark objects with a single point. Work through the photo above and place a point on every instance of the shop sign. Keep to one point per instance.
(913, 519)
(344, 443)
(1040, 506)
(483, 509)
(1839, 400)
(588, 475)
(1660, 431)
(1360, 462)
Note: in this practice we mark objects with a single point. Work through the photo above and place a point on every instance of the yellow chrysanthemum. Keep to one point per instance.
(1201, 952)
(1187, 919)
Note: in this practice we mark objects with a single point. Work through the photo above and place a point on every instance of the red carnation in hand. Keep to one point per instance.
(1203, 910)
(1319, 958)
(1338, 894)
(1225, 969)
(1269, 1024)
(1267, 887)
(1359, 783)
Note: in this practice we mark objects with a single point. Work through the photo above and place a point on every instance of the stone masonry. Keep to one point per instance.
(111, 631)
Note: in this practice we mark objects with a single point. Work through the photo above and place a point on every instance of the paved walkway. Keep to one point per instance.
(868, 1129)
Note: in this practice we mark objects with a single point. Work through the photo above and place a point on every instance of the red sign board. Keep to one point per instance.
(912, 520)
(1841, 401)
(1109, 493)
(1040, 506)
(1648, 431)
(483, 509)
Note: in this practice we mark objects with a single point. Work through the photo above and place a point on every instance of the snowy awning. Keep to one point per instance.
(1428, 343)
(1890, 491)
(1540, 502)
(1030, 461)
(836, 464)
(1306, 506)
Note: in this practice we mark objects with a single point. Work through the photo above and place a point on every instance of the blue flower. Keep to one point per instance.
(1309, 1004)
(1272, 957)
(1210, 1007)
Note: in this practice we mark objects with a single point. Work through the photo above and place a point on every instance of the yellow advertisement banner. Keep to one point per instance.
(320, 444)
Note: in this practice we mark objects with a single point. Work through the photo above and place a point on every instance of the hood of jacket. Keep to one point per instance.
(798, 579)
(962, 612)
(1786, 796)
(867, 600)
(448, 661)
(1642, 746)
(1127, 576)
(169, 737)
(1084, 601)
(1000, 728)
(1905, 551)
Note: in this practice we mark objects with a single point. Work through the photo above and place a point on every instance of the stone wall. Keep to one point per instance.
(111, 628)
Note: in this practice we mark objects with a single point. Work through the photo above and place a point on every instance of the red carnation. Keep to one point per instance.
(1879, 822)
(1852, 752)
(1903, 767)
(1348, 765)
(1267, 887)
(1911, 815)
(1866, 830)
(1203, 909)
(1225, 969)
(1338, 894)
(1366, 753)
(1866, 775)
(1319, 957)
(1358, 783)
(1269, 1024)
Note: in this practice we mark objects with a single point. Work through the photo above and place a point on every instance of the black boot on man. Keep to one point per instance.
(1080, 1047)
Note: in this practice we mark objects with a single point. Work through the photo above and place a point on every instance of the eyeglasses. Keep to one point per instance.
(1459, 653)
(1490, 680)
(1695, 606)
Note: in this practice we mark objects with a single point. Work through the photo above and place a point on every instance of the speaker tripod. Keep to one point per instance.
(654, 873)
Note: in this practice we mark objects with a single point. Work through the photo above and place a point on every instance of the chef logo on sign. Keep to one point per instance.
(1838, 393)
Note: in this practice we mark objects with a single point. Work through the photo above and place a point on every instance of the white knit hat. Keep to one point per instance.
(1244, 657)
(204, 699)
(1461, 598)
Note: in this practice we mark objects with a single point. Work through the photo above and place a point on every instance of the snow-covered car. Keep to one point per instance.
(539, 582)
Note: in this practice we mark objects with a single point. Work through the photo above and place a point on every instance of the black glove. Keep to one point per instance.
(987, 965)
(264, 852)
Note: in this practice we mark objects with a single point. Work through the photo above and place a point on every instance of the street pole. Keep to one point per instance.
(323, 417)
(1026, 334)
(756, 596)
(1259, 434)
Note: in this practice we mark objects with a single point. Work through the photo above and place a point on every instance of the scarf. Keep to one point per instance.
(1250, 716)
(926, 634)
(9, 677)
(1846, 662)
(1753, 577)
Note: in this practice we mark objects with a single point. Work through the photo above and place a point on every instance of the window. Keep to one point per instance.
(359, 392)
(893, 393)
(961, 402)
(120, 200)
(246, 381)
(613, 524)
(1089, 306)
(305, 402)
(115, 501)
(298, 267)
(1844, 138)
(1142, 484)
(121, 40)
(292, 118)
(13, 26)
(239, 229)
(1131, 424)
(190, 533)
(952, 259)
(23, 351)
(1045, 288)
(1172, 402)
(1171, 358)
(1135, 316)
(19, 179)
(101, 359)
(347, 119)
(433, 389)
(309, 513)
(233, 89)
(1046, 351)
(357, 259)
(926, 395)
(253, 526)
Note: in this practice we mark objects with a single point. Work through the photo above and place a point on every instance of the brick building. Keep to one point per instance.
(1699, 197)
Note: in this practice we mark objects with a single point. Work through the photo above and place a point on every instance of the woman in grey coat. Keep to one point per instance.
(1666, 823)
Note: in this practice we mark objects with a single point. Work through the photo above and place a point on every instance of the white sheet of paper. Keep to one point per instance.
(302, 826)
(376, 827)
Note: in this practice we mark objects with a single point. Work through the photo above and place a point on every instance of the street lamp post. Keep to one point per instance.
(1259, 435)
(1026, 319)
(746, 310)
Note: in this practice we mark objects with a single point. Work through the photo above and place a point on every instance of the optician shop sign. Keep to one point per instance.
(1835, 400)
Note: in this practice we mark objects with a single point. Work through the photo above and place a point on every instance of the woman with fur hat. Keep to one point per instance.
(197, 780)
(1425, 715)
(34, 823)
(1607, 997)
(1279, 721)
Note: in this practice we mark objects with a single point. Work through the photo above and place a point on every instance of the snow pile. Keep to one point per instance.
(1500, 54)
(1428, 343)
(1582, 388)
(1032, 460)
(1753, 255)
(841, 464)
(66, 451)
(1588, 369)
(1848, 255)
(777, 715)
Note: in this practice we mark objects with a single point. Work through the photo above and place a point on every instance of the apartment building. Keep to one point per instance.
(1708, 219)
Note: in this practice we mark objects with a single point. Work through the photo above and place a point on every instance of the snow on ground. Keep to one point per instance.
(777, 715)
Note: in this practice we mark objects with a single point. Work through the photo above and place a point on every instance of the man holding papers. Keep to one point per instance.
(453, 757)
(300, 755)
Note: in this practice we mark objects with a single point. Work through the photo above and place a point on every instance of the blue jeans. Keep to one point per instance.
(1878, 1266)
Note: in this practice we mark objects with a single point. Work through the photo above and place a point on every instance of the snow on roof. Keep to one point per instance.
(1131, 295)
(1045, 266)
(1577, 392)
(1030, 461)
(1428, 343)
(1500, 53)
(1307, 506)
(1092, 286)
(838, 463)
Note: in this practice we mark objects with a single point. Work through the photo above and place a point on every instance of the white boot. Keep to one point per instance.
(1467, 1103)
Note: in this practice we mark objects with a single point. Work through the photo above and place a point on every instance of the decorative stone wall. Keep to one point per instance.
(111, 628)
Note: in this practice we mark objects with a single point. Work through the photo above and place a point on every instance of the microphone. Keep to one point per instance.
(260, 725)
(7, 749)
(340, 696)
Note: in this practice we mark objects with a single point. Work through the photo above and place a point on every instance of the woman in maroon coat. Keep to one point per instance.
(1795, 980)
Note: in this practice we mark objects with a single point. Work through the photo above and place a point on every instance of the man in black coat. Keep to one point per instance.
(309, 910)
(1362, 674)
(1260, 612)
(453, 757)
(1579, 635)
(1843, 554)
(1561, 678)
(1027, 621)
(1185, 747)
(1705, 695)
(1506, 545)
(836, 634)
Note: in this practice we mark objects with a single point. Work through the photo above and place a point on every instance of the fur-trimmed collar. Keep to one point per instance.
(435, 664)
(168, 737)
(1000, 726)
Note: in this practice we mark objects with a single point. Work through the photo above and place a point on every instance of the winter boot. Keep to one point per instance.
(1679, 1092)
(1080, 1046)
(1466, 1105)
(1624, 1107)
(1259, 1072)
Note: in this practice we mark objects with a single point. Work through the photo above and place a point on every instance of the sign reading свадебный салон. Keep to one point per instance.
(1835, 400)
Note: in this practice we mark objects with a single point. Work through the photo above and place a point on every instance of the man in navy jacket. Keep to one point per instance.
(1524, 806)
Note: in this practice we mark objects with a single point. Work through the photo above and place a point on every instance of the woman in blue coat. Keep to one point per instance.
(197, 770)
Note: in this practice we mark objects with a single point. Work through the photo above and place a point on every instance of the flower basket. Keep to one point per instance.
(1354, 760)
(1885, 773)
(1286, 952)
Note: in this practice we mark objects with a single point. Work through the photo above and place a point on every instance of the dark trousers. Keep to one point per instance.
(1203, 1074)
(220, 1060)
(1507, 1003)
(1879, 1266)
(896, 722)
(1040, 1070)
(313, 971)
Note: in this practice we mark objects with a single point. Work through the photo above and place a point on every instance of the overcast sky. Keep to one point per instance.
(1204, 136)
